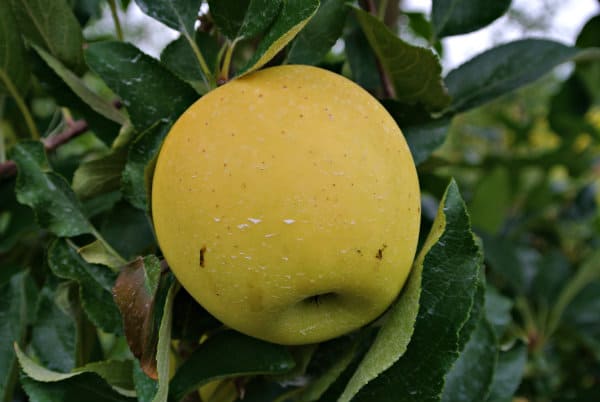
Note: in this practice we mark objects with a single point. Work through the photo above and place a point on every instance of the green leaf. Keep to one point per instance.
(101, 175)
(106, 130)
(17, 219)
(72, 389)
(145, 387)
(395, 334)
(163, 348)
(55, 205)
(148, 89)
(129, 229)
(424, 139)
(449, 284)
(137, 175)
(96, 253)
(503, 69)
(501, 254)
(95, 284)
(13, 62)
(98, 104)
(415, 72)
(493, 193)
(320, 34)
(497, 310)
(509, 372)
(455, 17)
(179, 57)
(115, 372)
(52, 26)
(180, 15)
(16, 303)
(294, 15)
(54, 333)
(243, 19)
(361, 59)
(471, 376)
(332, 359)
(229, 354)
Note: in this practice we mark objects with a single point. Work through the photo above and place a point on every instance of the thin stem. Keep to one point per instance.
(115, 17)
(224, 75)
(382, 9)
(208, 77)
(12, 90)
(108, 247)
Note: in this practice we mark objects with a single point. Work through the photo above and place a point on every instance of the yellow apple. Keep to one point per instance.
(287, 203)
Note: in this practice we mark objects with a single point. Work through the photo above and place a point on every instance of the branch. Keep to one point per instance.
(9, 168)
(388, 87)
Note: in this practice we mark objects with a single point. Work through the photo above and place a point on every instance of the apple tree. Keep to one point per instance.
(502, 300)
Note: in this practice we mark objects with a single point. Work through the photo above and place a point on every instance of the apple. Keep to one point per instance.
(287, 203)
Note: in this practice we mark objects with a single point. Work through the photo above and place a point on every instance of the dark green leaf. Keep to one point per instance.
(15, 305)
(226, 355)
(328, 363)
(509, 372)
(163, 348)
(147, 88)
(425, 138)
(294, 15)
(106, 130)
(180, 15)
(179, 57)
(55, 205)
(320, 34)
(501, 254)
(553, 272)
(54, 334)
(86, 10)
(471, 376)
(95, 284)
(568, 107)
(190, 319)
(94, 101)
(454, 17)
(477, 309)
(449, 284)
(101, 175)
(145, 387)
(360, 57)
(13, 64)
(117, 373)
(493, 193)
(129, 230)
(589, 73)
(137, 175)
(15, 219)
(52, 26)
(503, 69)
(243, 19)
(415, 72)
(87, 385)
(497, 310)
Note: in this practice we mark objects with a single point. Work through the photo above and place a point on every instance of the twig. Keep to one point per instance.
(388, 87)
(9, 168)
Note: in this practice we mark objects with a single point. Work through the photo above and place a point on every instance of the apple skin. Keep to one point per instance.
(287, 203)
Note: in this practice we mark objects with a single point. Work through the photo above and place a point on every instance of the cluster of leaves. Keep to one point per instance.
(89, 310)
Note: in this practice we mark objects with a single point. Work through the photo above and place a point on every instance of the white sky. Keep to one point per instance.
(560, 20)
(567, 17)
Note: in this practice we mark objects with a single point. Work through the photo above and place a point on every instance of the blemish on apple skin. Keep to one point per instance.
(202, 258)
(379, 254)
